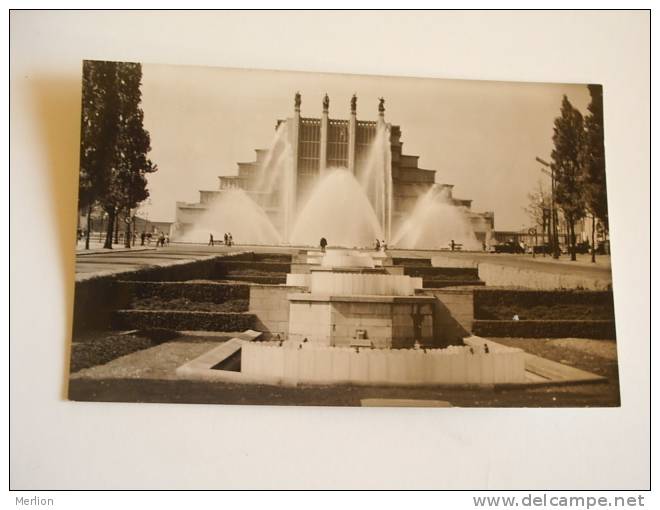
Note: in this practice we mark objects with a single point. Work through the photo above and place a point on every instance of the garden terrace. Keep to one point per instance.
(436, 277)
(544, 314)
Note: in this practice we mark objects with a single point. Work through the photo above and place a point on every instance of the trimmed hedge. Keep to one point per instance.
(411, 261)
(437, 284)
(193, 291)
(265, 280)
(264, 257)
(248, 266)
(102, 350)
(443, 273)
(156, 303)
(183, 320)
(502, 304)
(546, 329)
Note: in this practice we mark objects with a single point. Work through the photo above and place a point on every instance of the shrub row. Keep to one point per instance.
(524, 297)
(443, 273)
(193, 291)
(265, 280)
(158, 303)
(430, 283)
(410, 261)
(242, 266)
(102, 350)
(182, 320)
(545, 329)
(263, 257)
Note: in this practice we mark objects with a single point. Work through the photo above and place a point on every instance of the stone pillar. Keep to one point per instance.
(292, 187)
(352, 134)
(323, 153)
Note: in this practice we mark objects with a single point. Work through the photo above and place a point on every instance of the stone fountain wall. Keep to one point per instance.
(386, 322)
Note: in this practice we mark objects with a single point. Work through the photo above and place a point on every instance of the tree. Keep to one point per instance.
(593, 162)
(134, 143)
(99, 131)
(115, 143)
(539, 209)
(567, 159)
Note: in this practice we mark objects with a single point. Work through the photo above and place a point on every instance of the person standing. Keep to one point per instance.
(226, 239)
(323, 243)
(211, 240)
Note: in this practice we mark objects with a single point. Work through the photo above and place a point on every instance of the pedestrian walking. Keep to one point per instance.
(211, 240)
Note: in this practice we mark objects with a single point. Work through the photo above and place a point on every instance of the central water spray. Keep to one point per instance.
(376, 178)
(338, 209)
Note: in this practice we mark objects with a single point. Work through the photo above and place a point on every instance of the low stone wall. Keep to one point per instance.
(270, 306)
(387, 321)
(444, 261)
(311, 364)
(509, 276)
(453, 314)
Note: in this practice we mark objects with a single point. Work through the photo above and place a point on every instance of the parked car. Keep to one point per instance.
(508, 247)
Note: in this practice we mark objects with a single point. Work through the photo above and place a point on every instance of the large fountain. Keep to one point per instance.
(351, 321)
(351, 206)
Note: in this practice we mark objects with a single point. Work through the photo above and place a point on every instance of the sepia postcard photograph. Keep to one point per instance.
(270, 237)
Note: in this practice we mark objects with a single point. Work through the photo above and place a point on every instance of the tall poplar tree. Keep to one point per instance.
(594, 164)
(98, 137)
(567, 157)
(114, 143)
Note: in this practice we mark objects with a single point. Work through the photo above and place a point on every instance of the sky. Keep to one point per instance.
(481, 136)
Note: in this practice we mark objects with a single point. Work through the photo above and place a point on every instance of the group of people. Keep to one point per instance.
(380, 245)
(162, 239)
(229, 239)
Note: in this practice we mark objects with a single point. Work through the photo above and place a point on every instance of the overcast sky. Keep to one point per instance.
(480, 136)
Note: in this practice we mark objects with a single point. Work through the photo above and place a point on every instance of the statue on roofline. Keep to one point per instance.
(381, 104)
(298, 100)
(354, 104)
(326, 102)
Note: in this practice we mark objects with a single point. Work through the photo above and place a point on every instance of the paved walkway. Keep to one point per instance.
(99, 261)
(103, 262)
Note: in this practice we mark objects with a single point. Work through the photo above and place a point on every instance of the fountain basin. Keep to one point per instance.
(293, 363)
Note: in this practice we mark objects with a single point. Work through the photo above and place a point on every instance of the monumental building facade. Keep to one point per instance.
(318, 144)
